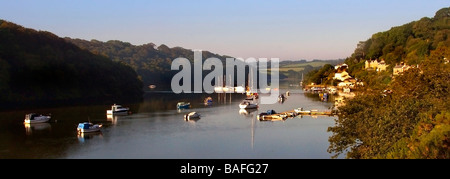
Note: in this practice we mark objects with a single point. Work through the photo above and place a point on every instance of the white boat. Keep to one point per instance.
(191, 116)
(301, 111)
(248, 104)
(88, 127)
(218, 89)
(32, 118)
(239, 89)
(117, 109)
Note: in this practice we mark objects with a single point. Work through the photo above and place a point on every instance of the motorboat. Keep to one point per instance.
(301, 111)
(191, 116)
(32, 118)
(247, 104)
(271, 115)
(183, 105)
(86, 127)
(117, 109)
(208, 100)
(281, 98)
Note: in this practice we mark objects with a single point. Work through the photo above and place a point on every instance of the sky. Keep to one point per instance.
(288, 29)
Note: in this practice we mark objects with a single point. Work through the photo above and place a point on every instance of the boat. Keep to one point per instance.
(271, 115)
(191, 116)
(117, 109)
(301, 111)
(248, 103)
(208, 101)
(218, 89)
(86, 127)
(239, 89)
(281, 98)
(183, 105)
(32, 118)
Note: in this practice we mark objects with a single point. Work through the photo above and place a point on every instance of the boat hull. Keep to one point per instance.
(40, 119)
(248, 106)
(89, 130)
(110, 112)
(191, 116)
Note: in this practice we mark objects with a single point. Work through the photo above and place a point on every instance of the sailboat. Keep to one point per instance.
(301, 82)
(249, 102)
(250, 88)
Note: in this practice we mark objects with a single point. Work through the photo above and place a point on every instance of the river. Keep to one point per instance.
(157, 130)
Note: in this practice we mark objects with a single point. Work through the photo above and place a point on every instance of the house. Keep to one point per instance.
(400, 68)
(375, 65)
(349, 83)
(341, 66)
(341, 76)
(341, 73)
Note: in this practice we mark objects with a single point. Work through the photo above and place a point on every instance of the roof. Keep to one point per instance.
(341, 69)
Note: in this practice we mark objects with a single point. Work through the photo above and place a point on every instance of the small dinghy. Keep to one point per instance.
(191, 116)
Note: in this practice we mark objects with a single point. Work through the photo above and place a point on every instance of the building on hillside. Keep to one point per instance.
(376, 65)
(400, 68)
(349, 83)
(340, 66)
(341, 76)
(341, 73)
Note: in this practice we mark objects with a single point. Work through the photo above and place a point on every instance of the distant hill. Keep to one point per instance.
(153, 64)
(38, 68)
(294, 69)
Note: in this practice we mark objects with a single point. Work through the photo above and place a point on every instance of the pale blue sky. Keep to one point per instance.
(289, 29)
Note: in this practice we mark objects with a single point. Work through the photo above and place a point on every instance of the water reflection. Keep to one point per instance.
(193, 120)
(82, 137)
(112, 118)
(247, 112)
(29, 128)
(225, 131)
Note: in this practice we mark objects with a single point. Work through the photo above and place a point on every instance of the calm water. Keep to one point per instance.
(156, 130)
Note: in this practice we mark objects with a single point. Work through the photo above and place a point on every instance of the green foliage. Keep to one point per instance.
(323, 75)
(410, 42)
(37, 67)
(412, 122)
(152, 64)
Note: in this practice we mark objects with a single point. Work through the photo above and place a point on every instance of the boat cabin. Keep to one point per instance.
(31, 116)
(84, 125)
(116, 107)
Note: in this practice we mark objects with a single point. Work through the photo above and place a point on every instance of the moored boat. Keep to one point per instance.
(271, 115)
(208, 100)
(301, 111)
(281, 98)
(183, 105)
(117, 109)
(88, 127)
(32, 118)
(191, 116)
(248, 103)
